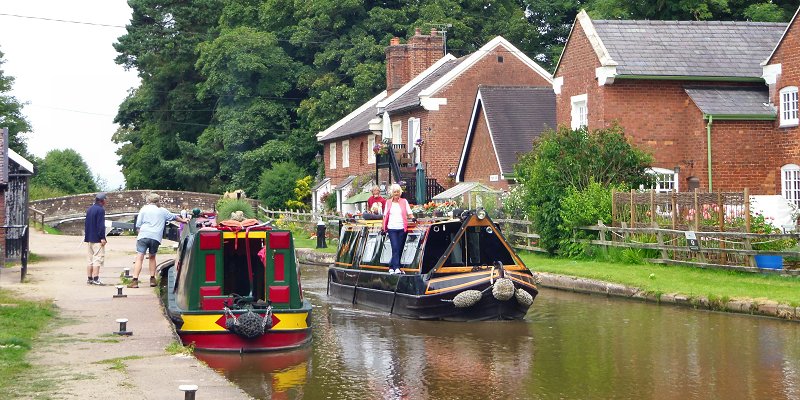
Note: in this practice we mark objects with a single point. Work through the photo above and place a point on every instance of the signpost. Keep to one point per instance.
(691, 241)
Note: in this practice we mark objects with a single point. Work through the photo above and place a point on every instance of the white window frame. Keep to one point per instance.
(790, 183)
(397, 132)
(332, 150)
(580, 111)
(666, 179)
(413, 135)
(789, 110)
(370, 152)
(345, 153)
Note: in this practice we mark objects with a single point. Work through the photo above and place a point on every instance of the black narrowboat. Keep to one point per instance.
(454, 269)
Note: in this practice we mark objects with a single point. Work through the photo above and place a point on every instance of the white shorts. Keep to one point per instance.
(97, 254)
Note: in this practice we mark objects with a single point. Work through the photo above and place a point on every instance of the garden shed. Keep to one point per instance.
(15, 171)
(471, 195)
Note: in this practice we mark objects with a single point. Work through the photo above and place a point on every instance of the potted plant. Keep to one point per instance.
(761, 224)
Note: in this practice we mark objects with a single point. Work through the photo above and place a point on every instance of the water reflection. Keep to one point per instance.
(583, 346)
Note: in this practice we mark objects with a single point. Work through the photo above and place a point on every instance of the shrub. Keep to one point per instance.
(581, 208)
(227, 206)
(277, 184)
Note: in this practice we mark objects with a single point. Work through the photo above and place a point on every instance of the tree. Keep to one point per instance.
(11, 116)
(65, 171)
(567, 159)
(725, 10)
(277, 184)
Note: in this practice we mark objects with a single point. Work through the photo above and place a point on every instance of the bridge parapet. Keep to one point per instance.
(124, 201)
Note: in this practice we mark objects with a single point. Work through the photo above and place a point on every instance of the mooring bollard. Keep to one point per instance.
(321, 234)
(123, 326)
(188, 391)
(127, 272)
(119, 292)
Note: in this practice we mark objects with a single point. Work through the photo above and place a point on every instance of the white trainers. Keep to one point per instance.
(97, 282)
(392, 271)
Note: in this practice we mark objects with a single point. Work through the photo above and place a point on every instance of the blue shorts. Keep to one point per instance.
(143, 245)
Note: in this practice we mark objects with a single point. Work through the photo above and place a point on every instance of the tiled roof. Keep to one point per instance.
(411, 97)
(689, 48)
(516, 115)
(356, 122)
(728, 100)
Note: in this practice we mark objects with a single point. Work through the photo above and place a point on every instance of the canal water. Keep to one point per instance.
(569, 346)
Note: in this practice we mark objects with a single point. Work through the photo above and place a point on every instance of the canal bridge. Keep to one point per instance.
(68, 212)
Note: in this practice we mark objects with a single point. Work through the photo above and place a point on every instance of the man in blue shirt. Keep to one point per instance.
(150, 222)
(95, 237)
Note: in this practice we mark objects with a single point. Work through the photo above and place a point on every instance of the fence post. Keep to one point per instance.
(696, 212)
(652, 205)
(633, 211)
(673, 198)
(613, 207)
(602, 234)
(660, 238)
(748, 245)
(723, 257)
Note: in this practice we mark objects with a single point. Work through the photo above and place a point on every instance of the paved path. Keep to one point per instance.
(80, 357)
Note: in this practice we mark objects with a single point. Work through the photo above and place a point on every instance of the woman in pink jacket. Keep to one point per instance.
(395, 223)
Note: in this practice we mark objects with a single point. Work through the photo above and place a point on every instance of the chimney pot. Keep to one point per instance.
(433, 31)
(416, 32)
(394, 41)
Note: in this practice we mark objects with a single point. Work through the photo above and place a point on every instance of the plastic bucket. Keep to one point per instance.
(769, 262)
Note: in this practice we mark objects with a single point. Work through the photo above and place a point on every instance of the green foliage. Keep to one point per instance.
(277, 184)
(565, 159)
(329, 200)
(225, 207)
(302, 195)
(765, 12)
(64, 171)
(582, 208)
(761, 224)
(11, 116)
(39, 192)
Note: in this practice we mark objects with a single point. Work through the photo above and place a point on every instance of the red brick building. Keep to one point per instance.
(781, 73)
(429, 99)
(689, 92)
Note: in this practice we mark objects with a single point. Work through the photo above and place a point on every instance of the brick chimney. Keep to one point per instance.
(406, 61)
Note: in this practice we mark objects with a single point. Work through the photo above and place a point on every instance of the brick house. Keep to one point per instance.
(505, 121)
(689, 92)
(781, 72)
(429, 96)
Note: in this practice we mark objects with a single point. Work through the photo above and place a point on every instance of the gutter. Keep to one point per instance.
(692, 78)
(708, 140)
(741, 117)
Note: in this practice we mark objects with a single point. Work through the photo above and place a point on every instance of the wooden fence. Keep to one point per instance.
(695, 211)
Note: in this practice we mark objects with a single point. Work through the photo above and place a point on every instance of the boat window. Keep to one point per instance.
(410, 249)
(439, 238)
(347, 246)
(484, 247)
(370, 249)
(386, 250)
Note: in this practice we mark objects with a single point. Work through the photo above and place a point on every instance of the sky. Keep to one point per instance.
(66, 74)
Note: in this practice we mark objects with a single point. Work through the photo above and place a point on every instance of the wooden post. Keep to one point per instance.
(633, 211)
(653, 205)
(696, 212)
(674, 201)
(747, 210)
(613, 207)
(602, 233)
(723, 257)
(660, 238)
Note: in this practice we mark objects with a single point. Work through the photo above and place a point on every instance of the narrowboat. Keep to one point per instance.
(236, 288)
(454, 269)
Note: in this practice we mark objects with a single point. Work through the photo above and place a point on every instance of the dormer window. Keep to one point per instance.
(789, 109)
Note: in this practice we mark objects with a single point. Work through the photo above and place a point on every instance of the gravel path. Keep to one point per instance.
(80, 357)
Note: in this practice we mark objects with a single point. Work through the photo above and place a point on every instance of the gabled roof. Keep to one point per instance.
(774, 49)
(462, 188)
(515, 116)
(450, 71)
(732, 102)
(20, 160)
(410, 97)
(320, 184)
(343, 184)
(726, 49)
(354, 123)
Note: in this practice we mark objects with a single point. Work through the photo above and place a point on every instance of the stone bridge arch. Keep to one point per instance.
(121, 204)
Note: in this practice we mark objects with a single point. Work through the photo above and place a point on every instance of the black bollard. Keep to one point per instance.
(123, 326)
(188, 390)
(119, 292)
(321, 234)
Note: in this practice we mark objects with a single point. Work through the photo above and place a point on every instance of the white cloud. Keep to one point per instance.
(67, 75)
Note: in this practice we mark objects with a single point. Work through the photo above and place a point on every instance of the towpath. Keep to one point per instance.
(80, 357)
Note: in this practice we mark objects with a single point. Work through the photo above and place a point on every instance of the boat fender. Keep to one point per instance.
(467, 298)
(523, 297)
(503, 289)
(249, 324)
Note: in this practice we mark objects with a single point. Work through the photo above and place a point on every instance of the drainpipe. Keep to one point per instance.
(708, 140)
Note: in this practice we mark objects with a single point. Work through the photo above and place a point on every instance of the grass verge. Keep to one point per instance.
(693, 282)
(303, 243)
(21, 321)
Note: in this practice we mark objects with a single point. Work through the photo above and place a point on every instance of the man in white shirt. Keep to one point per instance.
(150, 223)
